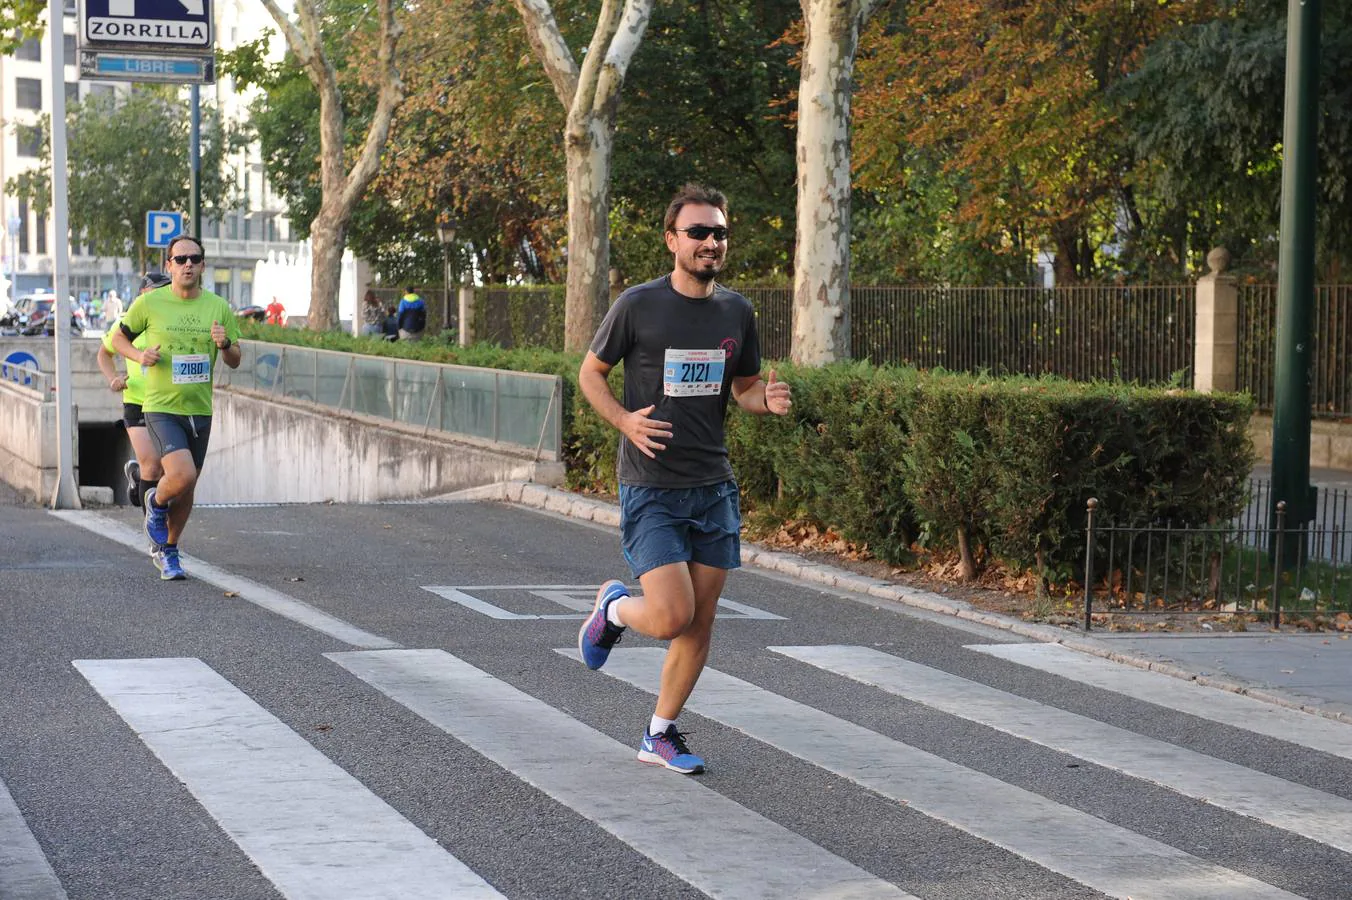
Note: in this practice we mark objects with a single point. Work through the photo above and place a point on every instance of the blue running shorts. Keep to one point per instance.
(660, 526)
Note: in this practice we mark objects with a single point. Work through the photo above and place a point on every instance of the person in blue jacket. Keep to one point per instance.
(412, 316)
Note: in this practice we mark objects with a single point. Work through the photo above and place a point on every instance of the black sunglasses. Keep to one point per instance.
(182, 258)
(700, 232)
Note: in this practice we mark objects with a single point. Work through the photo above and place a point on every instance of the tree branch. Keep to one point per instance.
(547, 42)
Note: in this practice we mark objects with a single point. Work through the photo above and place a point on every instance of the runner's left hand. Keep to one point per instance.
(218, 334)
(777, 398)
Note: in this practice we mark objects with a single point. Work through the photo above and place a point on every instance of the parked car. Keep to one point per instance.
(257, 313)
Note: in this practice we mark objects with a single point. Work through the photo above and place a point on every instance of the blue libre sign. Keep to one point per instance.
(162, 227)
(161, 24)
(144, 67)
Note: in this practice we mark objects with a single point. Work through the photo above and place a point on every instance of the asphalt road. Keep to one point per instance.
(381, 701)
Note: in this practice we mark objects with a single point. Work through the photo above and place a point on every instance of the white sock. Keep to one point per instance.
(659, 725)
(613, 614)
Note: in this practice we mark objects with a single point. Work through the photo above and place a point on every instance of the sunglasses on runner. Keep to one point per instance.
(700, 232)
(183, 258)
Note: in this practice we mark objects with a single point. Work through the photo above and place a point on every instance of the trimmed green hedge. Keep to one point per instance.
(888, 457)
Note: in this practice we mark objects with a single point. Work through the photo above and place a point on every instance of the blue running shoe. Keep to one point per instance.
(597, 635)
(157, 520)
(132, 469)
(166, 560)
(669, 749)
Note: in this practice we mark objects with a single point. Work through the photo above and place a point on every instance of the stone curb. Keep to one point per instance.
(592, 509)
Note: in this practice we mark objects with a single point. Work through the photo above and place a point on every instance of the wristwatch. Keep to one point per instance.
(228, 344)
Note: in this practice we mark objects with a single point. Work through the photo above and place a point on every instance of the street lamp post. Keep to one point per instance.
(446, 234)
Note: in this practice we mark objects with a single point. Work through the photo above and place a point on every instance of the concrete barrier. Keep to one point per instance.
(91, 396)
(269, 451)
(28, 460)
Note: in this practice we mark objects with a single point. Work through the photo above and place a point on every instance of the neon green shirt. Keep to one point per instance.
(135, 392)
(180, 383)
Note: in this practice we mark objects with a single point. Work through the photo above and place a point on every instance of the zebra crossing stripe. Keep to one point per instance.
(1321, 817)
(260, 595)
(1235, 710)
(1084, 848)
(733, 853)
(311, 828)
(25, 873)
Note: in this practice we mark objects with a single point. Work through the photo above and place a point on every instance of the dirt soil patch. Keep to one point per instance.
(1016, 595)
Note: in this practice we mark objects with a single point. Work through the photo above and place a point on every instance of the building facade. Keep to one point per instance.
(235, 242)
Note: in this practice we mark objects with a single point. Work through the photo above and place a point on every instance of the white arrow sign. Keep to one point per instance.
(127, 8)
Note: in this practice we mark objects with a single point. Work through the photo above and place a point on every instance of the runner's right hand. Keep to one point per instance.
(642, 430)
(150, 355)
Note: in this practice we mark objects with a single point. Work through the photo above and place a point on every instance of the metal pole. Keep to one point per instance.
(195, 163)
(446, 287)
(1279, 539)
(1089, 563)
(1295, 271)
(66, 494)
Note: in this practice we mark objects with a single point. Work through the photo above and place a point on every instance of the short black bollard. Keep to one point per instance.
(1277, 566)
(1089, 563)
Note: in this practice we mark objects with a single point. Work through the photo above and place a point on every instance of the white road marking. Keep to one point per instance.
(578, 597)
(315, 831)
(1321, 817)
(717, 845)
(25, 873)
(260, 595)
(1089, 850)
(1236, 710)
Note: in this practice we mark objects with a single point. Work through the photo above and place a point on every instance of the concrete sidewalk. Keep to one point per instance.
(1310, 672)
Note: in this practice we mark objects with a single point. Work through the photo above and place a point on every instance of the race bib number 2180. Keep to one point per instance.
(192, 368)
(692, 373)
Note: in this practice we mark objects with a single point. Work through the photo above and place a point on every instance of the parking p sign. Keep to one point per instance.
(162, 227)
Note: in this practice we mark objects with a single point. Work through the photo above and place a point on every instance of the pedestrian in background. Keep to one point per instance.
(412, 316)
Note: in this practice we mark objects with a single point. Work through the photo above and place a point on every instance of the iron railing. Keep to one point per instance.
(1238, 568)
(1140, 333)
(1136, 333)
(1331, 342)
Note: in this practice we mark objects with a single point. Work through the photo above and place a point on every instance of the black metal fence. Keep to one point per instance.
(1236, 568)
(1331, 360)
(1141, 333)
(1138, 333)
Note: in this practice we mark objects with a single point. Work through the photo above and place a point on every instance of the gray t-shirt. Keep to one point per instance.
(681, 354)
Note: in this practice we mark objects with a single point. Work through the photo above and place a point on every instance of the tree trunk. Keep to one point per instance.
(966, 556)
(588, 151)
(821, 278)
(340, 187)
(328, 238)
(591, 94)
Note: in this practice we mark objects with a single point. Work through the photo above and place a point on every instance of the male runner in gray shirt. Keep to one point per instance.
(687, 345)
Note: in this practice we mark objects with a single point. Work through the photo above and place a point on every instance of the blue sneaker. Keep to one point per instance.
(597, 635)
(166, 560)
(669, 749)
(157, 520)
(132, 469)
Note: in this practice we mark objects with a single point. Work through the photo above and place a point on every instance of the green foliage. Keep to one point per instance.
(128, 155)
(19, 21)
(1205, 108)
(884, 455)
